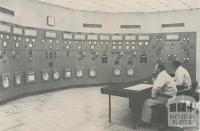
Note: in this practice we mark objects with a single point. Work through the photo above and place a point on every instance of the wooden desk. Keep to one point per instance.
(133, 95)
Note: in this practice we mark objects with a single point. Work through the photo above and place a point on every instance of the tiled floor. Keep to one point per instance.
(78, 109)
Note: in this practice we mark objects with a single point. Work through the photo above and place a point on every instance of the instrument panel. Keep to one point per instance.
(33, 58)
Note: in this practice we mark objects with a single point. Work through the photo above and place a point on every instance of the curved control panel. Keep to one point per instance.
(36, 59)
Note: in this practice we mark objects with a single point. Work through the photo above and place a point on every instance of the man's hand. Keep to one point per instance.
(153, 97)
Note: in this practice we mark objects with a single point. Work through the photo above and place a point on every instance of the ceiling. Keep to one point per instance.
(116, 6)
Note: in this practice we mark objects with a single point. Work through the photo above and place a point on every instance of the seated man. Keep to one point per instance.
(182, 77)
(163, 89)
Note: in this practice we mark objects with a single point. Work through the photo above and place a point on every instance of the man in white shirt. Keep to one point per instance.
(163, 88)
(182, 77)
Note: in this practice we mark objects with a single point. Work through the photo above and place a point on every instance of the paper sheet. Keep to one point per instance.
(139, 87)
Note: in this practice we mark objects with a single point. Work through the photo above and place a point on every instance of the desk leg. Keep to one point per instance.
(133, 112)
(110, 108)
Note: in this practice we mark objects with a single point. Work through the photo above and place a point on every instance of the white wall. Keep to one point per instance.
(32, 13)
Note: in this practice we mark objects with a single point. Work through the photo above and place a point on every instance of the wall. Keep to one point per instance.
(33, 13)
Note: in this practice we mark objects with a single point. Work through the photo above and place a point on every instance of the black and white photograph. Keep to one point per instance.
(99, 65)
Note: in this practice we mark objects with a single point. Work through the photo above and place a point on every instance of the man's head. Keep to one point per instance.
(176, 64)
(158, 68)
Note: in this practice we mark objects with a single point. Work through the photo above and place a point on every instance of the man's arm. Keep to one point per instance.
(158, 84)
(179, 77)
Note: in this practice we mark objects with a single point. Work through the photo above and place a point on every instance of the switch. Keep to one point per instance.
(30, 54)
(1, 36)
(114, 47)
(92, 47)
(104, 59)
(30, 45)
(67, 46)
(7, 37)
(146, 43)
(143, 59)
(17, 45)
(27, 40)
(4, 61)
(79, 47)
(33, 40)
(4, 44)
(13, 52)
(140, 43)
(3, 52)
(127, 47)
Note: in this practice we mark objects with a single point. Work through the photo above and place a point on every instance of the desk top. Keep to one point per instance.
(121, 89)
(139, 87)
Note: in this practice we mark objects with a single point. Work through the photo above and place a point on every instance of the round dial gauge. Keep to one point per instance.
(130, 72)
(56, 75)
(79, 73)
(117, 72)
(92, 72)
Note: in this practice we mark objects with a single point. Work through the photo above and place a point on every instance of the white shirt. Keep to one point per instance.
(182, 77)
(165, 84)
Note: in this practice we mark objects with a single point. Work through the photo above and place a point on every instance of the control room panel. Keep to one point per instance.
(33, 59)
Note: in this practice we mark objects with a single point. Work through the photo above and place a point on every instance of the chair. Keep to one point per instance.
(160, 115)
(191, 92)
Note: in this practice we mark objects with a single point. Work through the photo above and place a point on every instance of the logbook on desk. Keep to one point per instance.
(139, 87)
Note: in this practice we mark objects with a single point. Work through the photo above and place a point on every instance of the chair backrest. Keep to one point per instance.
(194, 86)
